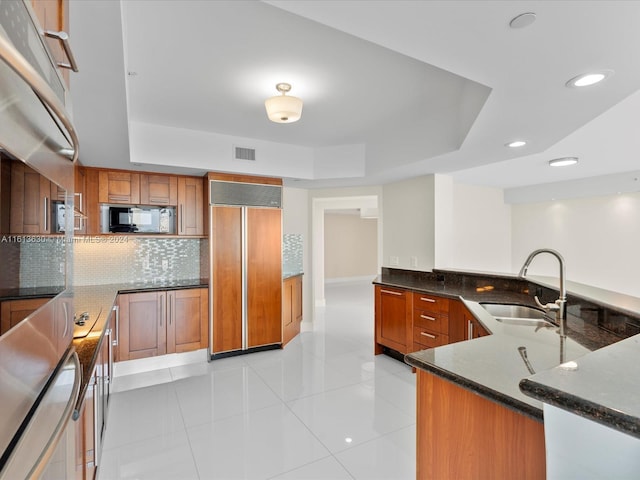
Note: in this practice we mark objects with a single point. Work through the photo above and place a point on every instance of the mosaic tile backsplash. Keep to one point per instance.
(121, 259)
(292, 254)
(40, 264)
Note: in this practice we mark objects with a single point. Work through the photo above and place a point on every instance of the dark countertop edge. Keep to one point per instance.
(291, 275)
(155, 288)
(378, 281)
(568, 402)
(479, 389)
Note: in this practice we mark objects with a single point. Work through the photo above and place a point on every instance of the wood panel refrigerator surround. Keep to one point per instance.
(245, 243)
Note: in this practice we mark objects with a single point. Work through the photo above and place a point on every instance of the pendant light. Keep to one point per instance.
(283, 108)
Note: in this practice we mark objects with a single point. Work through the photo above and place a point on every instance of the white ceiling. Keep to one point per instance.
(423, 86)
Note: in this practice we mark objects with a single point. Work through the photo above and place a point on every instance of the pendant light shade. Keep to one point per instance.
(283, 108)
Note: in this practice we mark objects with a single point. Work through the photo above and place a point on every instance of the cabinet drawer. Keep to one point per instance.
(430, 303)
(437, 322)
(428, 338)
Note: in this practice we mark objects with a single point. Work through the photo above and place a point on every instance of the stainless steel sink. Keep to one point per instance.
(518, 314)
(513, 311)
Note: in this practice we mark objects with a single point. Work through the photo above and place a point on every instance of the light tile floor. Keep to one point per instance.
(324, 407)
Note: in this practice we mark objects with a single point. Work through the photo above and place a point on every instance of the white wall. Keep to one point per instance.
(295, 219)
(481, 229)
(408, 232)
(350, 246)
(599, 238)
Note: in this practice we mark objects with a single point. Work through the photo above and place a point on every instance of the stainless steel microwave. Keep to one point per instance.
(133, 219)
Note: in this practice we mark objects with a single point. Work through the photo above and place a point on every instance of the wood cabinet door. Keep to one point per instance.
(296, 308)
(13, 312)
(226, 278)
(29, 192)
(291, 308)
(393, 312)
(187, 320)
(158, 189)
(264, 276)
(119, 187)
(288, 322)
(190, 206)
(54, 15)
(91, 201)
(143, 331)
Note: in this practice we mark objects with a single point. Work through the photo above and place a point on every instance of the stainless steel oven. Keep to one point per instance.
(39, 372)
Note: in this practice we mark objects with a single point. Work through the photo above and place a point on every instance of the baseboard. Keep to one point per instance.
(129, 367)
(362, 278)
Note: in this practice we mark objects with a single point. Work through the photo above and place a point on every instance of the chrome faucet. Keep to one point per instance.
(560, 305)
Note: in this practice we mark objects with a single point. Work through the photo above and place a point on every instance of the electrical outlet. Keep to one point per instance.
(414, 262)
(394, 261)
(165, 264)
(145, 263)
(61, 270)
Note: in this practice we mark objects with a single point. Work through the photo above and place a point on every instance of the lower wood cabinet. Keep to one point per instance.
(13, 312)
(463, 435)
(291, 308)
(393, 318)
(156, 323)
(91, 424)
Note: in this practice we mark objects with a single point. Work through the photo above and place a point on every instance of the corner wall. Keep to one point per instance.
(599, 238)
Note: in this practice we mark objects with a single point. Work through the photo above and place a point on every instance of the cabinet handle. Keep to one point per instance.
(116, 308)
(425, 334)
(427, 299)
(181, 218)
(426, 317)
(79, 206)
(469, 330)
(96, 434)
(170, 312)
(46, 214)
(391, 292)
(64, 39)
(110, 355)
(161, 302)
(119, 198)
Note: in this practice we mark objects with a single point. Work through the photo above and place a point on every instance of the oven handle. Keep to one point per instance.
(43, 459)
(19, 65)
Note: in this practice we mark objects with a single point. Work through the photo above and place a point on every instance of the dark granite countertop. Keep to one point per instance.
(286, 275)
(98, 301)
(602, 389)
(29, 292)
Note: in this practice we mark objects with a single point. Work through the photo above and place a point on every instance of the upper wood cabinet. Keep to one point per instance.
(31, 201)
(119, 187)
(53, 15)
(158, 189)
(190, 206)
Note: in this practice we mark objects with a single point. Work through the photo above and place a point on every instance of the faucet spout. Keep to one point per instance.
(560, 305)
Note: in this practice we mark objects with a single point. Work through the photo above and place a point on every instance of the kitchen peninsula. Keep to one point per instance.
(473, 419)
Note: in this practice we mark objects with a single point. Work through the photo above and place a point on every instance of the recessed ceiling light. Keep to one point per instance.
(523, 20)
(587, 79)
(563, 162)
(516, 144)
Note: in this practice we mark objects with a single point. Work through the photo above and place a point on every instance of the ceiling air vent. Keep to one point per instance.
(243, 153)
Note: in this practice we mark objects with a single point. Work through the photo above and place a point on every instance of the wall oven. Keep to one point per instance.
(39, 371)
